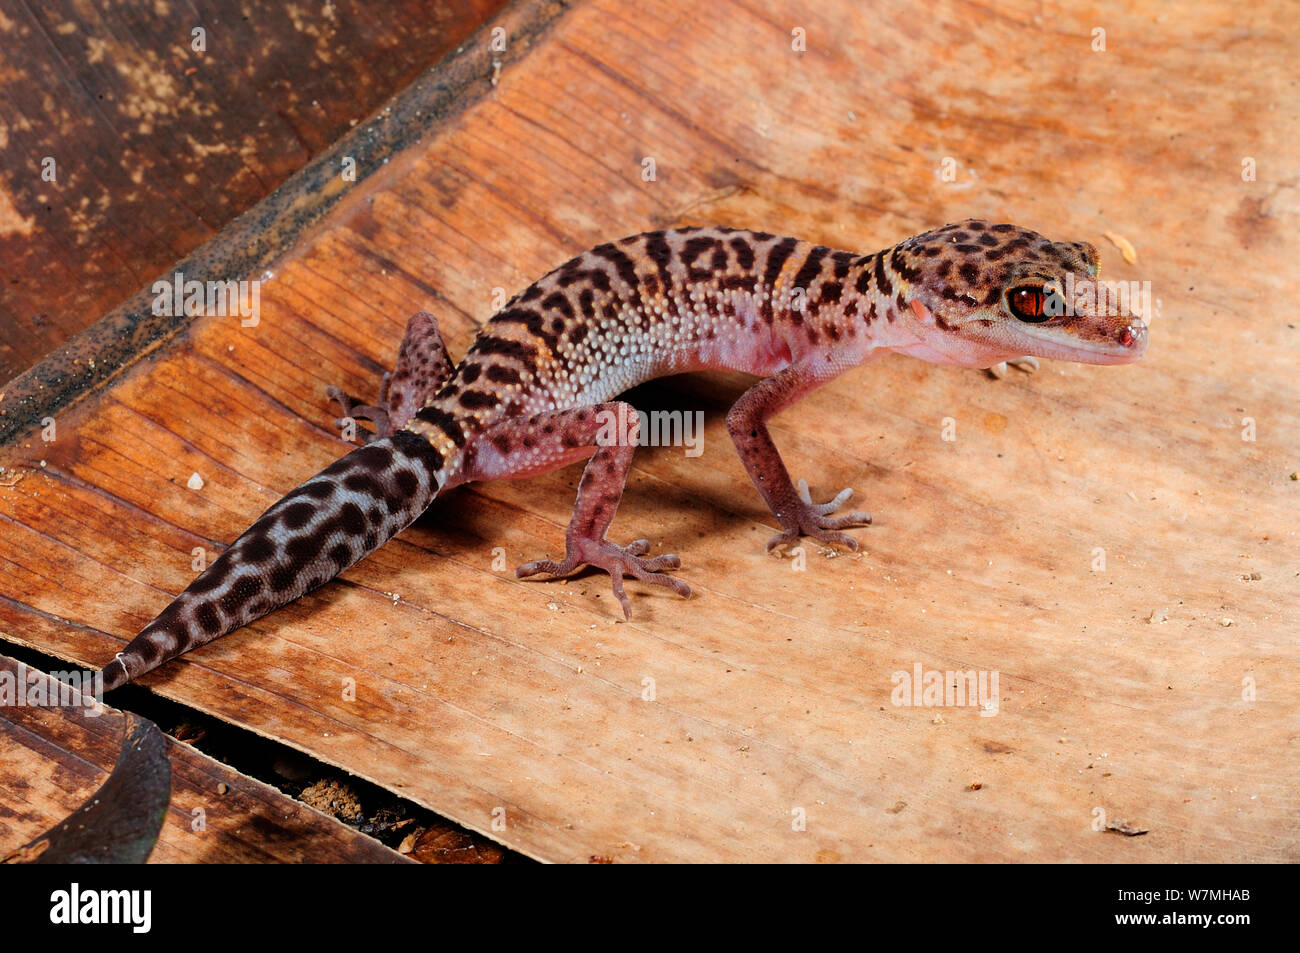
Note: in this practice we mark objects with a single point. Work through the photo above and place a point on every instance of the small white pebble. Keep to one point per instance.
(1225, 622)
(195, 482)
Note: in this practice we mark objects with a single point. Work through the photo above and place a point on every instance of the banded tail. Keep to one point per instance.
(345, 512)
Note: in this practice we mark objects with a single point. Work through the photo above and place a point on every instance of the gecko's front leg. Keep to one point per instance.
(1028, 364)
(527, 445)
(793, 508)
(422, 368)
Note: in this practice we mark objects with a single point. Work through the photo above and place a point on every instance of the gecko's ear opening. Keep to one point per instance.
(1090, 258)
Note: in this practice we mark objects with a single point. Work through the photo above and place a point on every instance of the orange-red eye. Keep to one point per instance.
(1027, 303)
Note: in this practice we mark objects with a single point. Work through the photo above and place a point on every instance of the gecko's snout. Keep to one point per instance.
(1106, 339)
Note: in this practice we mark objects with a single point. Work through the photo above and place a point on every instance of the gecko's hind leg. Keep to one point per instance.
(524, 446)
(422, 368)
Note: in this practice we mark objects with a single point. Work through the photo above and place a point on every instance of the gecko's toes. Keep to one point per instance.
(844, 522)
(354, 410)
(621, 595)
(1028, 364)
(618, 561)
(822, 509)
(839, 539)
(548, 566)
(821, 535)
(341, 397)
(782, 539)
(815, 520)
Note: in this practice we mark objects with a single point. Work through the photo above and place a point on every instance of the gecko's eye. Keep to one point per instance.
(1032, 303)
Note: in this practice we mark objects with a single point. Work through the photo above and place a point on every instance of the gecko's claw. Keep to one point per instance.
(615, 560)
(358, 411)
(815, 520)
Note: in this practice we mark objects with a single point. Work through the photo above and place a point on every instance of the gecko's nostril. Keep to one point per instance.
(1133, 334)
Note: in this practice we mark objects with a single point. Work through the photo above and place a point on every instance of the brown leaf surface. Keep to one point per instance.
(490, 699)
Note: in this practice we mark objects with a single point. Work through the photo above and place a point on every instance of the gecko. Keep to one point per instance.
(537, 388)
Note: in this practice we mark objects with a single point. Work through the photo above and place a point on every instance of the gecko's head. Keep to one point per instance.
(981, 293)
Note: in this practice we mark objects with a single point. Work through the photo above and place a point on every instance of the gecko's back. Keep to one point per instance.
(650, 305)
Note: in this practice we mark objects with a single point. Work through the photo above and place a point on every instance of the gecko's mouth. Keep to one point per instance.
(1098, 340)
(1087, 339)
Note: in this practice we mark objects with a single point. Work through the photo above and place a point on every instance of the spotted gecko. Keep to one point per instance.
(536, 390)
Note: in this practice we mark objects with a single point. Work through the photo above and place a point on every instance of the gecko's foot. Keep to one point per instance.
(615, 560)
(1028, 364)
(815, 520)
(353, 408)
